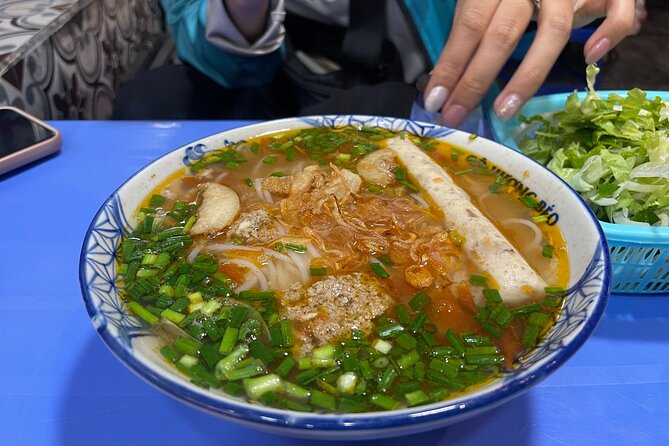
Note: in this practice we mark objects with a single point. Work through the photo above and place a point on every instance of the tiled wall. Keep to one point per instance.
(64, 59)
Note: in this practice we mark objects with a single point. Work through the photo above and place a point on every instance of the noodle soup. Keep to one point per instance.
(343, 270)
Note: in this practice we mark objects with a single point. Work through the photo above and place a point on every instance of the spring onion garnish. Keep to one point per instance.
(317, 271)
(478, 280)
(379, 270)
(269, 159)
(547, 251)
(290, 247)
(156, 200)
(529, 202)
(419, 300)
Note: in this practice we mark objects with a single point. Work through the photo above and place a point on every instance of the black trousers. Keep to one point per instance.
(178, 92)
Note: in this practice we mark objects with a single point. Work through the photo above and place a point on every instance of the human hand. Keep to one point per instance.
(250, 16)
(485, 33)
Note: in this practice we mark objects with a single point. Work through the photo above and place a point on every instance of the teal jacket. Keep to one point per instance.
(186, 21)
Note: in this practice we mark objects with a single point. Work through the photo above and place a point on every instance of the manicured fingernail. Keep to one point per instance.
(436, 99)
(509, 107)
(455, 116)
(598, 50)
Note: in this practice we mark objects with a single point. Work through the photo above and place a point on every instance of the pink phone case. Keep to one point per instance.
(30, 153)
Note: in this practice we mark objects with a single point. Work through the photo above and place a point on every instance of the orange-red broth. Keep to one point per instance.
(447, 309)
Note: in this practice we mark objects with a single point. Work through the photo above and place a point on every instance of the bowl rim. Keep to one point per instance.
(241, 411)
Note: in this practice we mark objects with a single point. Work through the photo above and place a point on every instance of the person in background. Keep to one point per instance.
(273, 58)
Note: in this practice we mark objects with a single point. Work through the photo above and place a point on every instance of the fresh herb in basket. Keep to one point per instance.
(613, 151)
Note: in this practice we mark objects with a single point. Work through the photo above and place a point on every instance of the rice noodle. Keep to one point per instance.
(302, 265)
(248, 284)
(312, 251)
(194, 252)
(276, 255)
(538, 236)
(271, 274)
(253, 269)
(280, 228)
(420, 200)
(231, 247)
(263, 195)
(221, 176)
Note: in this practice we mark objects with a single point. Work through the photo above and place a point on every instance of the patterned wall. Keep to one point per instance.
(64, 59)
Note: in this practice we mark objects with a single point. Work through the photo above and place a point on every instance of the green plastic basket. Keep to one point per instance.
(639, 254)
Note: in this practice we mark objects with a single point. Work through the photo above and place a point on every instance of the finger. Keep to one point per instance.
(506, 27)
(469, 24)
(616, 26)
(553, 29)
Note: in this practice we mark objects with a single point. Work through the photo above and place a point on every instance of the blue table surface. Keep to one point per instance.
(60, 385)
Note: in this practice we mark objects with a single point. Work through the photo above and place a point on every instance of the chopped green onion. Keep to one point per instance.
(256, 295)
(478, 280)
(346, 383)
(260, 351)
(172, 316)
(402, 314)
(409, 359)
(389, 330)
(419, 300)
(455, 341)
(256, 387)
(406, 341)
(230, 361)
(169, 353)
(529, 202)
(157, 200)
(554, 290)
(382, 346)
(286, 366)
(318, 271)
(269, 159)
(547, 251)
(237, 315)
(492, 296)
(323, 400)
(418, 322)
(290, 247)
(384, 401)
(387, 379)
(142, 312)
(379, 270)
(187, 345)
(416, 398)
(229, 340)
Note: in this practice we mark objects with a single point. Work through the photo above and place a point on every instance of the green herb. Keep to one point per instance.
(612, 150)
(314, 271)
(477, 280)
(157, 200)
(547, 251)
(379, 270)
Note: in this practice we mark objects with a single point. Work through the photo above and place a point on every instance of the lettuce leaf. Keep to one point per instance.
(614, 151)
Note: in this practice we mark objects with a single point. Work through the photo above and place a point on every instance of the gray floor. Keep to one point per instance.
(642, 60)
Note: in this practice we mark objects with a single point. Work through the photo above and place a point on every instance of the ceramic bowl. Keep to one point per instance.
(131, 341)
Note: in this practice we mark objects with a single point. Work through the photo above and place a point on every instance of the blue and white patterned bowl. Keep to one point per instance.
(137, 348)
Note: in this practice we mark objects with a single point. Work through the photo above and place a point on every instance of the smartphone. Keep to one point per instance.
(24, 139)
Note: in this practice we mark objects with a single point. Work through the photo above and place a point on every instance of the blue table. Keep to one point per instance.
(60, 385)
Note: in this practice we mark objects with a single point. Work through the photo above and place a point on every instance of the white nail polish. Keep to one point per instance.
(436, 99)
(509, 106)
